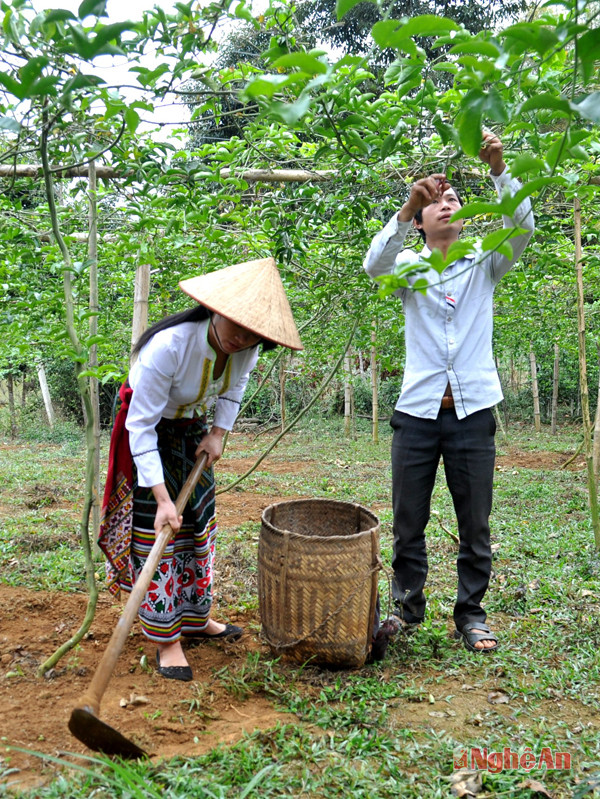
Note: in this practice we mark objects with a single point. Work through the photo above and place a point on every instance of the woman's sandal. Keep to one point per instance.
(183, 673)
(231, 633)
(470, 637)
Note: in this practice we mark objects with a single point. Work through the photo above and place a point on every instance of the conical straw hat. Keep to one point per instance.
(250, 294)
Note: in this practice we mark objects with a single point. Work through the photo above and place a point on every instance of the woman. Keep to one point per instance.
(186, 363)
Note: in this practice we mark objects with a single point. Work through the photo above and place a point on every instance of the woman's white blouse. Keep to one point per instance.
(172, 378)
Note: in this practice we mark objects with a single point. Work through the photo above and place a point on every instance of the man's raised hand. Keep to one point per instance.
(492, 153)
(423, 192)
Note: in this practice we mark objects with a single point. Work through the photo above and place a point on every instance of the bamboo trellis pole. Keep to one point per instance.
(583, 381)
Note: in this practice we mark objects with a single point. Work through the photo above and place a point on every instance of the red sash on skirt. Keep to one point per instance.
(114, 538)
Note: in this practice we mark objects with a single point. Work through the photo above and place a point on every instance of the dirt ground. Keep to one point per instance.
(167, 718)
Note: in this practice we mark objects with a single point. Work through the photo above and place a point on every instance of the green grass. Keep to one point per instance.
(391, 729)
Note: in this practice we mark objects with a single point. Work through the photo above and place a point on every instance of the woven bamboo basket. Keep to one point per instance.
(318, 561)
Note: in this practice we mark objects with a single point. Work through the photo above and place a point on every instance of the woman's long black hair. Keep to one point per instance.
(197, 314)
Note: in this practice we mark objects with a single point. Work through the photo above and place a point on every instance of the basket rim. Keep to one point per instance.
(316, 500)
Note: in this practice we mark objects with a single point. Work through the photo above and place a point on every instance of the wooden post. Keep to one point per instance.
(141, 293)
(347, 395)
(11, 405)
(282, 381)
(41, 373)
(374, 382)
(93, 353)
(535, 389)
(554, 413)
(583, 381)
(596, 447)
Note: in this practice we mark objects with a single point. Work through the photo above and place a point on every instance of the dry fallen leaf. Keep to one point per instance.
(466, 782)
(536, 786)
(498, 698)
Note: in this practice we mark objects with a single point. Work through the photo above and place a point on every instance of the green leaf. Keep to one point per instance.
(557, 152)
(498, 241)
(457, 250)
(242, 12)
(525, 162)
(588, 47)
(32, 70)
(547, 101)
(109, 33)
(445, 66)
(447, 133)
(268, 85)
(301, 61)
(354, 120)
(588, 107)
(533, 186)
(58, 15)
(388, 145)
(132, 119)
(290, 113)
(343, 6)
(386, 34)
(96, 8)
(44, 86)
(530, 36)
(469, 128)
(421, 285)
(476, 47)
(494, 107)
(81, 81)
(13, 86)
(578, 153)
(6, 123)
(428, 25)
(475, 209)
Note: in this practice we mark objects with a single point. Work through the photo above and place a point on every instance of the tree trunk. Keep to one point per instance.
(11, 405)
(596, 447)
(375, 383)
(535, 390)
(93, 354)
(84, 390)
(585, 406)
(554, 411)
(282, 380)
(348, 395)
(361, 363)
(41, 372)
(141, 292)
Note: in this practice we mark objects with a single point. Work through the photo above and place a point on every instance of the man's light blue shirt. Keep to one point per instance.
(448, 329)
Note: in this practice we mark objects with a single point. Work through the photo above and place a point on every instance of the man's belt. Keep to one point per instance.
(447, 402)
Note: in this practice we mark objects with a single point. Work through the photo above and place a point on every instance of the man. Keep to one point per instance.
(449, 389)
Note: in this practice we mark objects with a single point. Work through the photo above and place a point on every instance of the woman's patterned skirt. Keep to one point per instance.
(179, 598)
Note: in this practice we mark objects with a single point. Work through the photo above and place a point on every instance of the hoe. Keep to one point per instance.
(84, 722)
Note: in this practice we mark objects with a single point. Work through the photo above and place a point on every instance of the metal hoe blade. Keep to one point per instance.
(101, 737)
